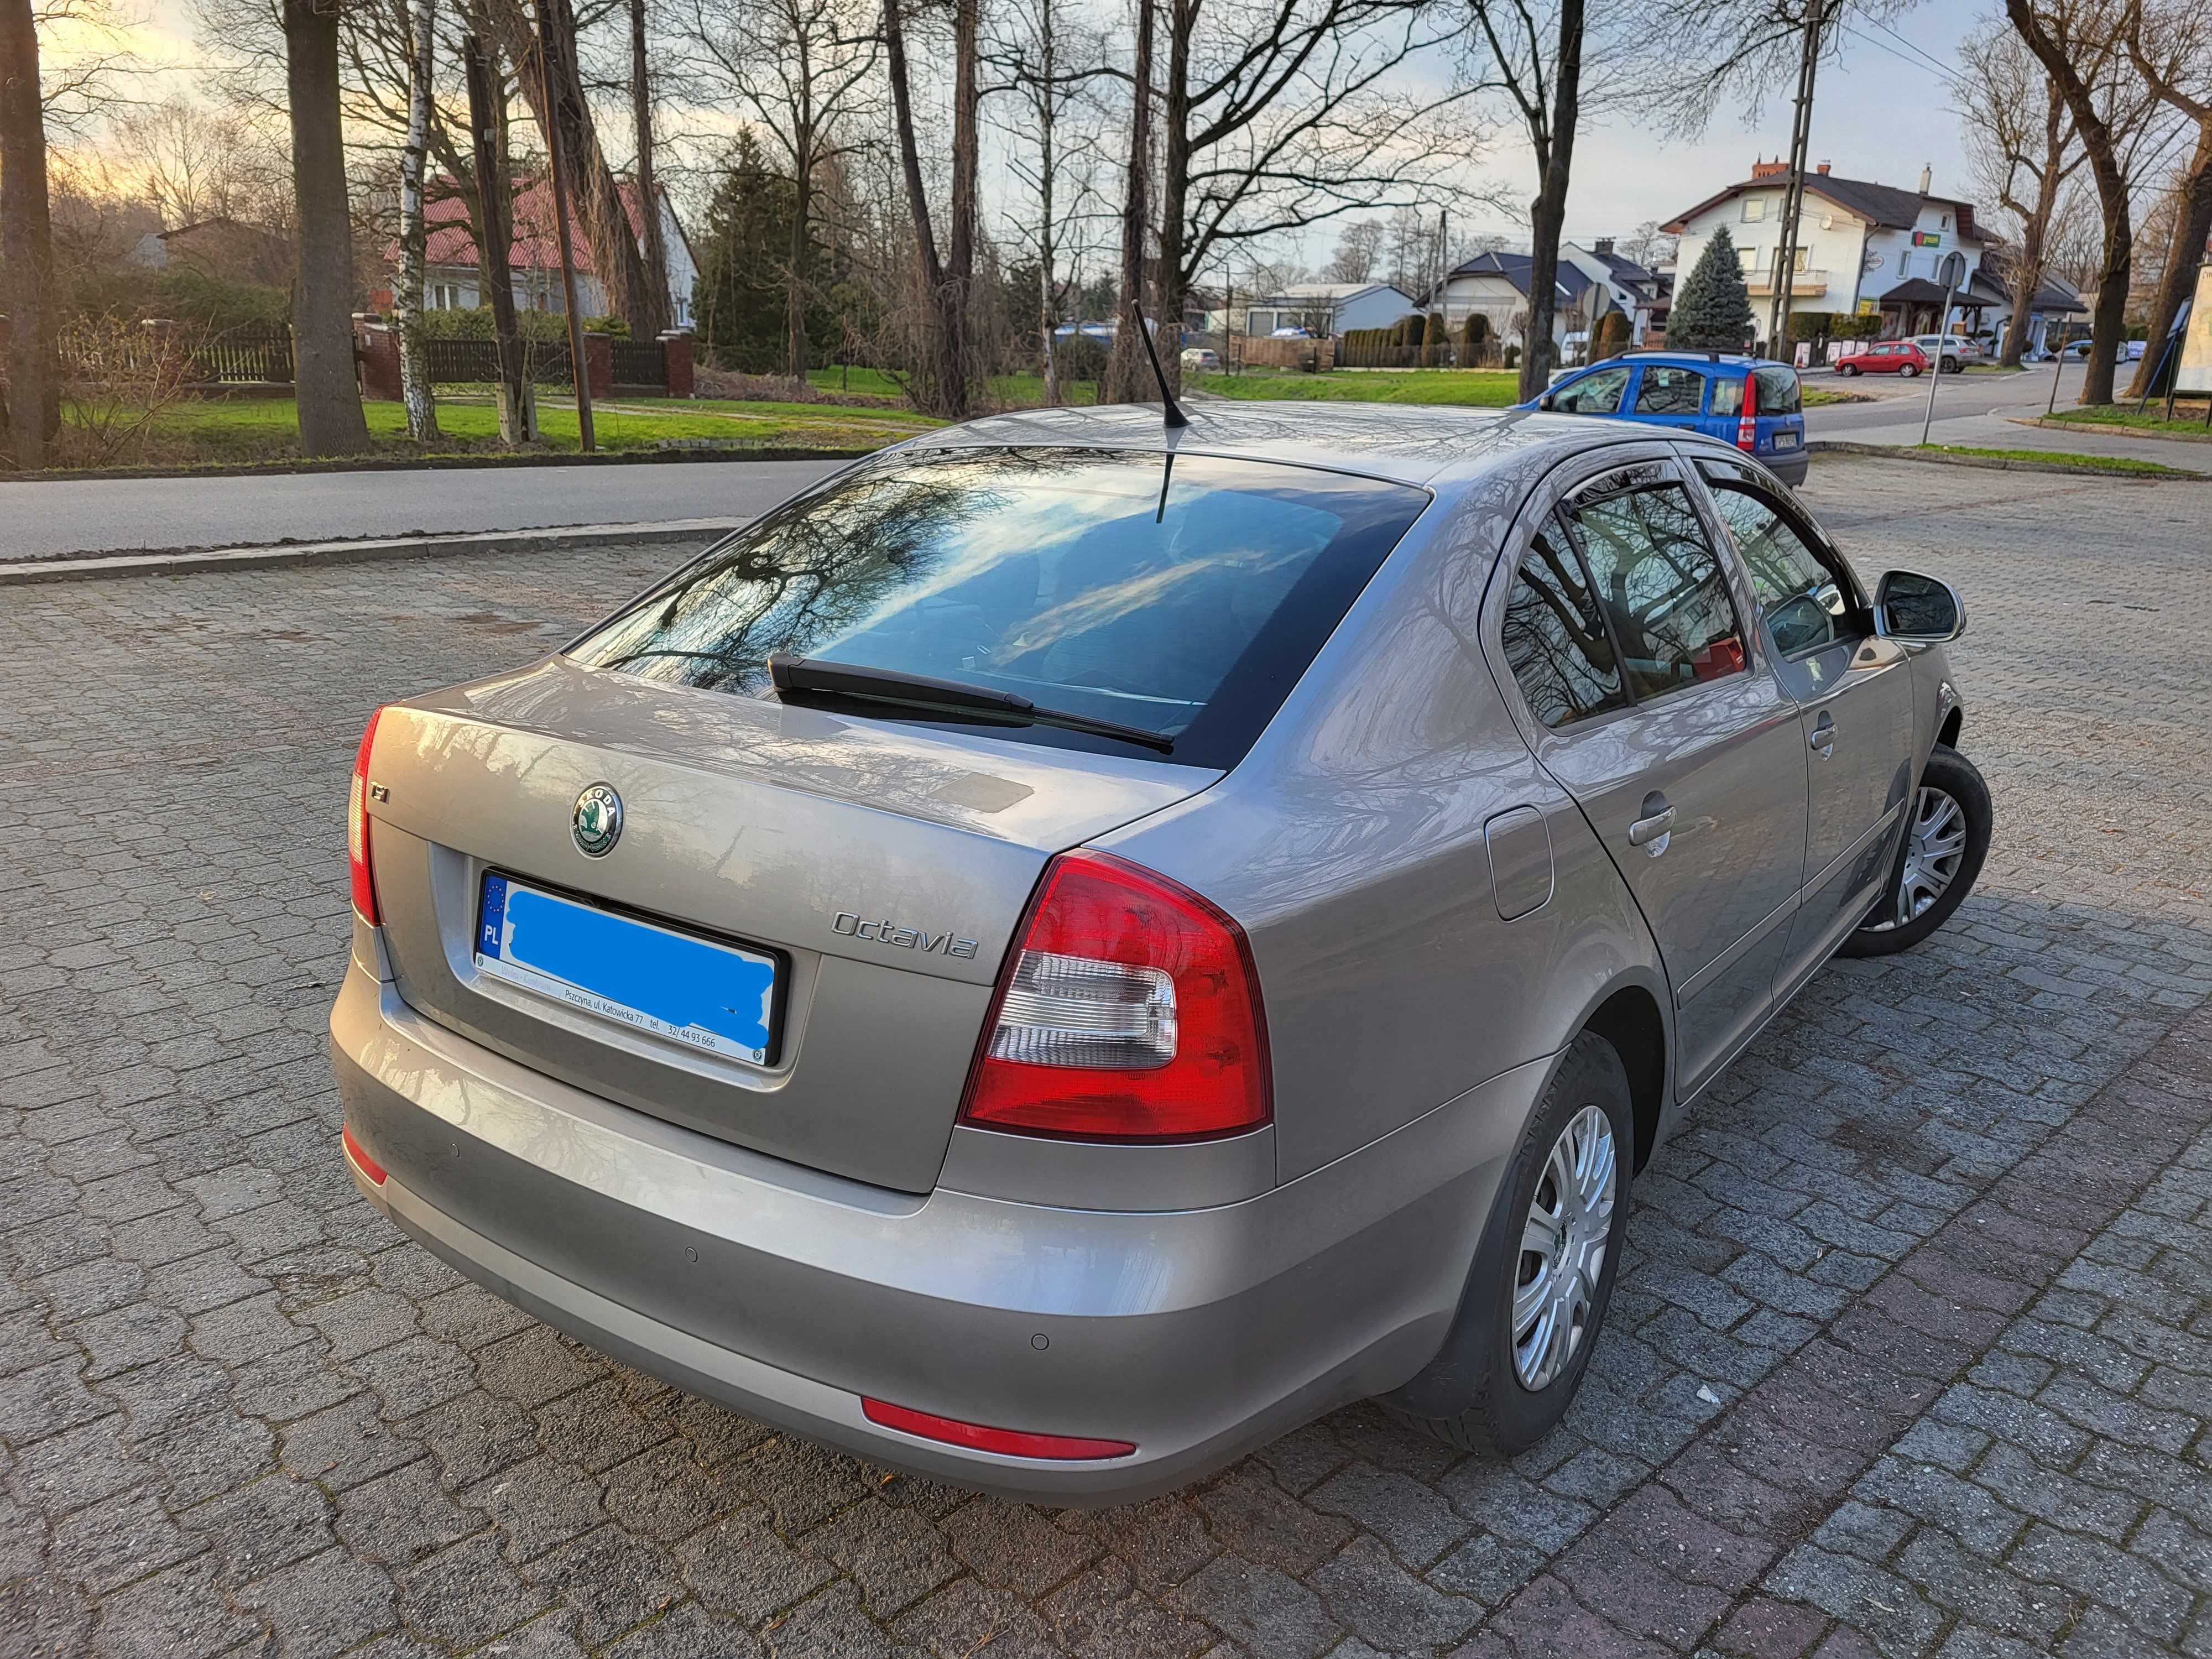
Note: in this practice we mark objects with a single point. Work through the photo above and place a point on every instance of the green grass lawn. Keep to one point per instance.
(2098, 463)
(1475, 388)
(1007, 391)
(2188, 421)
(232, 432)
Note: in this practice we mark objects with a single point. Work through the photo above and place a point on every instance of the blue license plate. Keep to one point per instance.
(700, 992)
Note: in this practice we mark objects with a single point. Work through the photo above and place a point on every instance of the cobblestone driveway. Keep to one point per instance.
(1913, 1352)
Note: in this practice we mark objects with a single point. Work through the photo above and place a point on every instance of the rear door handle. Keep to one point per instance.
(1823, 739)
(1652, 831)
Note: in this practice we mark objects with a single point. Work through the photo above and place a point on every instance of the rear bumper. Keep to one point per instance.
(789, 1295)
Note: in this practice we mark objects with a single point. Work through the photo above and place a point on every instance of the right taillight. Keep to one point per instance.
(1128, 1009)
(364, 884)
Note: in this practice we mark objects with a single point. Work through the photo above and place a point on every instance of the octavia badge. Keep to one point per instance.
(597, 821)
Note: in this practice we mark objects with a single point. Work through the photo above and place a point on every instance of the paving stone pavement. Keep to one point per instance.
(1911, 1352)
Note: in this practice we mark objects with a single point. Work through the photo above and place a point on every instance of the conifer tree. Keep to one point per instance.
(1712, 311)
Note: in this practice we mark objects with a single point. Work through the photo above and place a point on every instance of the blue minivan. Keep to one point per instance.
(1751, 402)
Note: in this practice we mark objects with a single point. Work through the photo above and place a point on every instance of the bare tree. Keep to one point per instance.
(1648, 246)
(802, 69)
(331, 418)
(946, 387)
(1049, 65)
(1536, 60)
(2170, 43)
(414, 229)
(1128, 377)
(2022, 148)
(1279, 114)
(653, 237)
(2078, 42)
(1359, 253)
(27, 240)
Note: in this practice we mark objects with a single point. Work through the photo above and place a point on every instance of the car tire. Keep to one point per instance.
(1940, 858)
(1909, 370)
(1491, 1388)
(1849, 370)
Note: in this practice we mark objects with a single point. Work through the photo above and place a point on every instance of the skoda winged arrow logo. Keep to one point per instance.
(597, 821)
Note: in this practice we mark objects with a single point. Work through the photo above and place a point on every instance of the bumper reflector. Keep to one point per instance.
(1011, 1443)
(361, 1161)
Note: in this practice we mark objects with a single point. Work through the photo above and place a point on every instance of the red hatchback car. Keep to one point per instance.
(1885, 357)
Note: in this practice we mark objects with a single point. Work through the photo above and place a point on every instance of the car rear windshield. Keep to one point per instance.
(1183, 595)
(1777, 391)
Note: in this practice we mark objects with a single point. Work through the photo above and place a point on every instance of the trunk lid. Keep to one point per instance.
(885, 867)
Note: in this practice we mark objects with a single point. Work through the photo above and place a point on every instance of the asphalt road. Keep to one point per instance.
(1980, 411)
(127, 514)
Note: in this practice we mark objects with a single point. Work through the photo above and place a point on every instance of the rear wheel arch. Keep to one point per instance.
(1630, 1019)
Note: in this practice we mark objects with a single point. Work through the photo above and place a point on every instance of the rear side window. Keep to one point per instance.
(1665, 391)
(1779, 392)
(1659, 583)
(1554, 637)
(1597, 393)
(1184, 595)
(1728, 396)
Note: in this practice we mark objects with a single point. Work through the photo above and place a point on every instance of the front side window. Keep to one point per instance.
(1555, 640)
(1181, 595)
(1665, 391)
(1597, 393)
(1661, 587)
(1805, 605)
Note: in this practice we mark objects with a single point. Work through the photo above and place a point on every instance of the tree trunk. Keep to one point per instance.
(1549, 212)
(518, 409)
(944, 383)
(1127, 377)
(2109, 318)
(2185, 252)
(2035, 231)
(653, 237)
(1048, 159)
(414, 231)
(960, 249)
(330, 419)
(597, 200)
(794, 280)
(1175, 192)
(33, 406)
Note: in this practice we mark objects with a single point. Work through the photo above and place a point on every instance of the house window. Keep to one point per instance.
(1748, 258)
(1754, 209)
(444, 296)
(1903, 265)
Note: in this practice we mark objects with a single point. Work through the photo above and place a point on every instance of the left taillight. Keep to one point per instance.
(1128, 1010)
(364, 882)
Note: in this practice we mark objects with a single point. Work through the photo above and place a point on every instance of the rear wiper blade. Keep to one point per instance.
(849, 680)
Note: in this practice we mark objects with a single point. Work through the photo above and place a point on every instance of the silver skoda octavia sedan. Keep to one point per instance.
(1070, 947)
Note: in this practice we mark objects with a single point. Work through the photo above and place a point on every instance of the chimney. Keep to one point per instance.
(1823, 169)
(1927, 180)
(1773, 169)
(1603, 247)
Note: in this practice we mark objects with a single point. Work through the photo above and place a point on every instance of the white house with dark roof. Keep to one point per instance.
(1329, 307)
(1862, 248)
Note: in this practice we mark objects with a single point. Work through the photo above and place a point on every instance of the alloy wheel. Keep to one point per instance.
(1934, 848)
(1563, 1246)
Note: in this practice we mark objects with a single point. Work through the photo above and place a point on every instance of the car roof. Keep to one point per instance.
(1437, 448)
(1688, 360)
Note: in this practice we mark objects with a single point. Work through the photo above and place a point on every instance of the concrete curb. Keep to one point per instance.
(1991, 463)
(2056, 425)
(87, 568)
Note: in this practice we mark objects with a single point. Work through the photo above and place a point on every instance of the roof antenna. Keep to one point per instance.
(1170, 413)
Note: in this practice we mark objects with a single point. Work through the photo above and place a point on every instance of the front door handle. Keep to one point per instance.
(1823, 739)
(1656, 828)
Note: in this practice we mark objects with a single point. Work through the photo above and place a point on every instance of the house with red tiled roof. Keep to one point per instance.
(452, 280)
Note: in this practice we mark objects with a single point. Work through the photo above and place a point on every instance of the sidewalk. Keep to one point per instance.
(40, 519)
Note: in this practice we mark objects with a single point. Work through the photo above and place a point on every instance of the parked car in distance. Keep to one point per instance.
(1948, 350)
(1203, 360)
(1753, 404)
(1884, 357)
(976, 967)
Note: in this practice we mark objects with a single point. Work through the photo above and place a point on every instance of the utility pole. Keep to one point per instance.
(548, 38)
(1793, 202)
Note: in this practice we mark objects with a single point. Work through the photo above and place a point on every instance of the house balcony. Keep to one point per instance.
(1803, 284)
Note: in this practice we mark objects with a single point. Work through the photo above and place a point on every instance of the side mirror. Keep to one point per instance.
(1911, 606)
(1545, 402)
